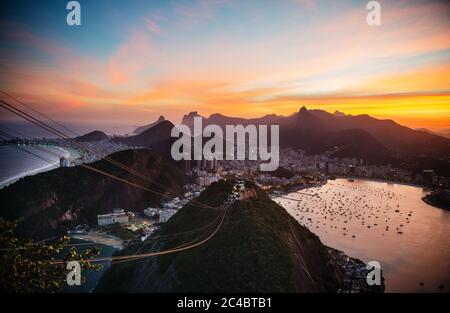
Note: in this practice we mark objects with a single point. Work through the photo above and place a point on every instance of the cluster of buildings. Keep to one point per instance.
(305, 170)
(65, 162)
(272, 183)
(116, 216)
(98, 149)
(148, 222)
(191, 166)
(140, 226)
(203, 172)
(204, 178)
(298, 162)
(306, 167)
(94, 150)
(236, 193)
(170, 207)
(162, 215)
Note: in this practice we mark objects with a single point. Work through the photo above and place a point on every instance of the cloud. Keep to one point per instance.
(309, 4)
(334, 60)
(152, 26)
(131, 57)
(198, 11)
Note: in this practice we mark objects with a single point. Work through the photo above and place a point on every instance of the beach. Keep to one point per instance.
(17, 164)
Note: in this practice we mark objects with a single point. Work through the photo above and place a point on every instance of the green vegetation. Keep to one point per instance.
(282, 172)
(118, 231)
(49, 203)
(259, 248)
(24, 265)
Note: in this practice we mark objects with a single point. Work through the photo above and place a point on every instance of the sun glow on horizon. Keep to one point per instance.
(237, 58)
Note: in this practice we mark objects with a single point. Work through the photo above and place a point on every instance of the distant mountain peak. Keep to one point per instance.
(192, 114)
(303, 109)
(216, 115)
(338, 113)
(188, 119)
(95, 135)
(142, 129)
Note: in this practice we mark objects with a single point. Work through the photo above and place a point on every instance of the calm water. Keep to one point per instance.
(80, 128)
(15, 163)
(385, 222)
(92, 277)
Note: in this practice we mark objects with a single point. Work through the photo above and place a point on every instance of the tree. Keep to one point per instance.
(29, 266)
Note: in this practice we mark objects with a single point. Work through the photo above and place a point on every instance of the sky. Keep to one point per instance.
(131, 61)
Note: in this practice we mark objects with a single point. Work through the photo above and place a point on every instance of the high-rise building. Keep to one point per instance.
(64, 162)
(427, 176)
(165, 215)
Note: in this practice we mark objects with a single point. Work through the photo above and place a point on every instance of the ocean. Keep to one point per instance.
(15, 163)
(78, 128)
(92, 277)
(384, 222)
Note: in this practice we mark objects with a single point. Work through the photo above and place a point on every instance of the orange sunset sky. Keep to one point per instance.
(130, 62)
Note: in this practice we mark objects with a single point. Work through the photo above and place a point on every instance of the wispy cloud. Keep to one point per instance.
(152, 26)
(197, 55)
(131, 57)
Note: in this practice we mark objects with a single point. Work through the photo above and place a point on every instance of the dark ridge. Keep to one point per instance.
(51, 202)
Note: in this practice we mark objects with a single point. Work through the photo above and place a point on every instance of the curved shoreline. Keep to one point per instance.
(429, 200)
(367, 245)
(11, 180)
(379, 180)
(426, 199)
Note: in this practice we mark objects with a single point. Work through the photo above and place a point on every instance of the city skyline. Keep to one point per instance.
(132, 63)
(259, 148)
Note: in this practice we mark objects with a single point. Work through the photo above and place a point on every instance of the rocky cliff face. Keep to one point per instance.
(47, 203)
(258, 248)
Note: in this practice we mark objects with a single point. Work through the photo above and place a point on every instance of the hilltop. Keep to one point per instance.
(141, 129)
(50, 202)
(156, 137)
(92, 136)
(259, 248)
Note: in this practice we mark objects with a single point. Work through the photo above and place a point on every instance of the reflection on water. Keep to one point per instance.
(384, 222)
(92, 277)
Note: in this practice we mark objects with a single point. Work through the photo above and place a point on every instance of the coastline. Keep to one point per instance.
(100, 238)
(429, 199)
(353, 270)
(13, 179)
(92, 277)
(398, 277)
(379, 180)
